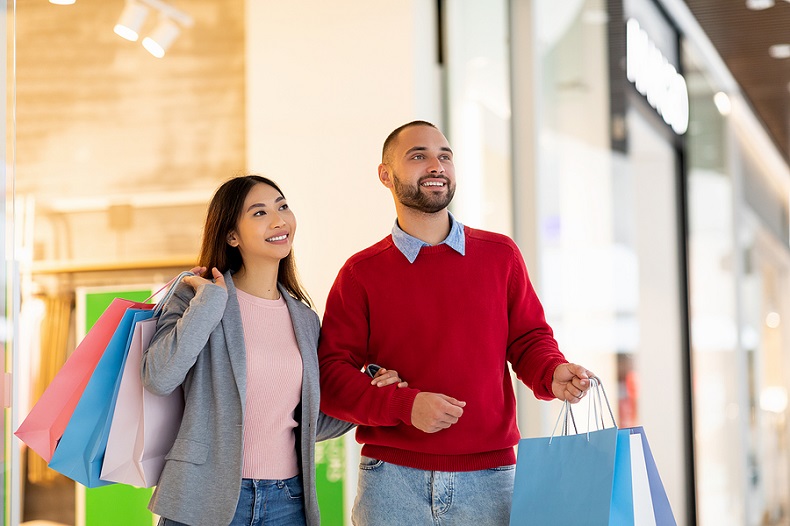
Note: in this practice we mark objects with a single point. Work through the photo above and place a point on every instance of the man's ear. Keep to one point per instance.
(385, 176)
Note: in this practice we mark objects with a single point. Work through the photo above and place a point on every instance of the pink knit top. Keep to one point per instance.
(274, 388)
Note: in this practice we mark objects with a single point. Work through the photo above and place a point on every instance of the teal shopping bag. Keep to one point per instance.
(80, 452)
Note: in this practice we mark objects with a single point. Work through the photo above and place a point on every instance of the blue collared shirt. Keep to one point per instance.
(410, 246)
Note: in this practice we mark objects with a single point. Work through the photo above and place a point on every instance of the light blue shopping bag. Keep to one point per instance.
(573, 480)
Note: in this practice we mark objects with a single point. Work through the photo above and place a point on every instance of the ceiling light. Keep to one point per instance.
(131, 21)
(779, 51)
(62, 2)
(759, 5)
(722, 102)
(162, 37)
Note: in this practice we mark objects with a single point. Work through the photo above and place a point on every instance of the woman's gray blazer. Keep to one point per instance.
(199, 344)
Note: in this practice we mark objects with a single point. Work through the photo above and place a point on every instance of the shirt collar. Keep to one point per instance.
(410, 246)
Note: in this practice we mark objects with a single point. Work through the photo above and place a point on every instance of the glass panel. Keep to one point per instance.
(764, 308)
(9, 304)
(478, 100)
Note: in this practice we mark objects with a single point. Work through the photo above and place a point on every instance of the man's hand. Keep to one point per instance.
(433, 412)
(570, 382)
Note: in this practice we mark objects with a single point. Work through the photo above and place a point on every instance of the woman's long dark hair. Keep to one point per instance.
(222, 217)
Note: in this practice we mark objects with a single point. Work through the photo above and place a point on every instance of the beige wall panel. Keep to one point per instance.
(327, 81)
(100, 123)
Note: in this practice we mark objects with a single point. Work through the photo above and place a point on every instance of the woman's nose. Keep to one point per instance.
(277, 220)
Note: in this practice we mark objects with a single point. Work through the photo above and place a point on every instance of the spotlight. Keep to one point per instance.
(162, 37)
(131, 21)
(779, 51)
(62, 2)
(759, 5)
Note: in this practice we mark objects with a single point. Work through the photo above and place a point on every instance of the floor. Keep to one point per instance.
(51, 504)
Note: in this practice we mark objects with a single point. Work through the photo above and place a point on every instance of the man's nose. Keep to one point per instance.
(436, 166)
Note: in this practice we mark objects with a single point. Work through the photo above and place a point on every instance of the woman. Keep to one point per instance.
(243, 346)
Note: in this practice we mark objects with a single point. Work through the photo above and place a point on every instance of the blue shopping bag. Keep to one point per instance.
(659, 507)
(575, 479)
(600, 477)
(80, 452)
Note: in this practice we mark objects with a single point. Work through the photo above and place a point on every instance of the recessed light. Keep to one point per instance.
(759, 5)
(779, 51)
(722, 102)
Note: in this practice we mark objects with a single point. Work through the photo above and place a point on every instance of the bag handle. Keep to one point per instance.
(595, 407)
(173, 283)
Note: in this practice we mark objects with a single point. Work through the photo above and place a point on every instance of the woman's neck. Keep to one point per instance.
(258, 280)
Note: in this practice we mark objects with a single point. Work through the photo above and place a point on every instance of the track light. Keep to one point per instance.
(167, 30)
(162, 37)
(131, 21)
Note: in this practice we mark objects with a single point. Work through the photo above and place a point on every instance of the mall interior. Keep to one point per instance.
(614, 140)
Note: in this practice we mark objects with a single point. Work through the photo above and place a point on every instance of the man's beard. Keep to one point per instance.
(423, 201)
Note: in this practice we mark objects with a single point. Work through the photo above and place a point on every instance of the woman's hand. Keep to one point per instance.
(197, 280)
(386, 377)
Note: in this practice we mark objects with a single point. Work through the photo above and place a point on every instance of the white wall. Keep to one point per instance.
(327, 81)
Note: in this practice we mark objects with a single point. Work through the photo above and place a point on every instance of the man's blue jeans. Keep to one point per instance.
(391, 495)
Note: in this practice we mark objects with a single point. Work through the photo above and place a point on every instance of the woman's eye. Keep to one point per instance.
(259, 213)
(284, 207)
(419, 157)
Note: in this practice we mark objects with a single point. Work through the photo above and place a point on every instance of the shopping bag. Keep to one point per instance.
(47, 420)
(606, 476)
(144, 425)
(569, 480)
(80, 452)
(651, 505)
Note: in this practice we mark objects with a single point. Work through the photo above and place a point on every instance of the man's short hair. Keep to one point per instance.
(389, 142)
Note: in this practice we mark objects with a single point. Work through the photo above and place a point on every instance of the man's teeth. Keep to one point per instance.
(432, 183)
(277, 238)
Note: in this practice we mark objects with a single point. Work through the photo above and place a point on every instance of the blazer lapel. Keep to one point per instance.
(234, 338)
(307, 342)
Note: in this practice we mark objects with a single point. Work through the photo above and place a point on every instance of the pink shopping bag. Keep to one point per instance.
(46, 422)
(144, 425)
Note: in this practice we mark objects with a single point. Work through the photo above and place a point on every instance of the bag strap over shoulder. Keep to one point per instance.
(173, 283)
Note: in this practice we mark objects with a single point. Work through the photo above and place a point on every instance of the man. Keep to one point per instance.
(447, 306)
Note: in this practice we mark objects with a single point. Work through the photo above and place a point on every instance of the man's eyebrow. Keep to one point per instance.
(423, 148)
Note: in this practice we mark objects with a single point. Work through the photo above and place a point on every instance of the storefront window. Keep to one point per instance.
(713, 305)
(608, 236)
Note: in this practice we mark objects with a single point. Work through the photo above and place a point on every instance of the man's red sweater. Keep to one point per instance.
(447, 323)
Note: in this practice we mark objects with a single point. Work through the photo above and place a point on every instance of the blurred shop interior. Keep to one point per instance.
(636, 150)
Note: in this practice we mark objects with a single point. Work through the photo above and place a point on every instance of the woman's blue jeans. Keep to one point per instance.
(266, 503)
